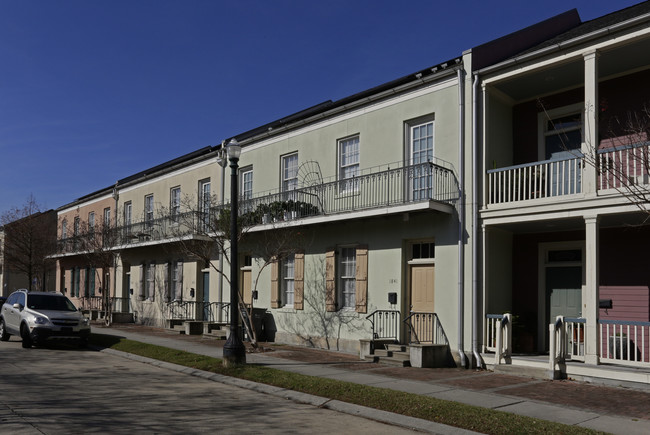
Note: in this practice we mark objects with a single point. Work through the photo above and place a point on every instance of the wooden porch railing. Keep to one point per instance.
(498, 337)
(197, 310)
(535, 180)
(625, 342)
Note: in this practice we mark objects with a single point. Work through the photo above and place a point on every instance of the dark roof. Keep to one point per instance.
(594, 25)
(502, 48)
(329, 105)
(178, 160)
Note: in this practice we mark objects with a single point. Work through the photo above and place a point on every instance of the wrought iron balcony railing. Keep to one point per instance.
(381, 187)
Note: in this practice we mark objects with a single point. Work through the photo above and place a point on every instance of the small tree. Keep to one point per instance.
(203, 232)
(30, 238)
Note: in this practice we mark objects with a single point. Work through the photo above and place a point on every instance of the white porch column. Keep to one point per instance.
(590, 143)
(590, 291)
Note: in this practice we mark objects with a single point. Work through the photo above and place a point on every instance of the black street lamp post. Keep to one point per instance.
(234, 352)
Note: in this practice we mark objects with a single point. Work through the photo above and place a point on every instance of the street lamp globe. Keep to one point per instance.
(234, 150)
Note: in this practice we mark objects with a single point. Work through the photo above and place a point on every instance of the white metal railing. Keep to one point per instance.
(624, 166)
(535, 180)
(625, 342)
(498, 337)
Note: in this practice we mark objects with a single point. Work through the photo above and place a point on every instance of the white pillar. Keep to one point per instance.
(590, 291)
(590, 143)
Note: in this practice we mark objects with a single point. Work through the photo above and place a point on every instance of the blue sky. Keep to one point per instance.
(94, 91)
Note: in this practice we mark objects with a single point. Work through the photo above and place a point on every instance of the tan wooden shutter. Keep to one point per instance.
(362, 279)
(330, 280)
(275, 285)
(299, 281)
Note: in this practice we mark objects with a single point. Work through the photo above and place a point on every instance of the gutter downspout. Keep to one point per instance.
(475, 176)
(461, 218)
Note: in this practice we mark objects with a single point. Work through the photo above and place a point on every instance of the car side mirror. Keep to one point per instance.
(18, 306)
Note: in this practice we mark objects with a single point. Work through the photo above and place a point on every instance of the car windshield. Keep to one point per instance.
(50, 302)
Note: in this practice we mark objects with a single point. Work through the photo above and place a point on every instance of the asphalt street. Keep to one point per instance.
(66, 390)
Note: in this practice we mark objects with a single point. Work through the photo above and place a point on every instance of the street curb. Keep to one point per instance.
(390, 418)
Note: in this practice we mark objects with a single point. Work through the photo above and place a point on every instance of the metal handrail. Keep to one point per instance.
(385, 324)
(430, 327)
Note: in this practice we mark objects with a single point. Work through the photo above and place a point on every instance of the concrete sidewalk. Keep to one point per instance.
(608, 409)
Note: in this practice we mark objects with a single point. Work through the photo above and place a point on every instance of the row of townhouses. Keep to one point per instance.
(484, 211)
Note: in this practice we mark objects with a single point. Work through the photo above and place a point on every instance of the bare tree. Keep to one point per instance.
(203, 232)
(30, 238)
(96, 245)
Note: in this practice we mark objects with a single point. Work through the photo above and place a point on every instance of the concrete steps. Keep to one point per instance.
(394, 355)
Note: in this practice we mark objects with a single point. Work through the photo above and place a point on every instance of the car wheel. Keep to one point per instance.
(27, 340)
(3, 332)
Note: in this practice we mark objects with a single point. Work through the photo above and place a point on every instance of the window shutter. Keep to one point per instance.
(330, 280)
(275, 285)
(362, 279)
(299, 281)
(143, 282)
(179, 290)
(167, 267)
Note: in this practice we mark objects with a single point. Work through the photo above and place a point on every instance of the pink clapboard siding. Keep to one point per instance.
(631, 303)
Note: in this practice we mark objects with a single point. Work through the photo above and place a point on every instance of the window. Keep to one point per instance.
(76, 281)
(76, 226)
(347, 277)
(148, 211)
(204, 203)
(348, 163)
(247, 183)
(90, 282)
(288, 275)
(175, 203)
(290, 172)
(127, 214)
(64, 229)
(91, 221)
(421, 151)
(423, 251)
(107, 217)
(562, 135)
(150, 284)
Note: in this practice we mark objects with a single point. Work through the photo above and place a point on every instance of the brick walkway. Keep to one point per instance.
(571, 394)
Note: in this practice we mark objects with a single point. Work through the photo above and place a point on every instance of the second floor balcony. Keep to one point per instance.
(391, 188)
(620, 169)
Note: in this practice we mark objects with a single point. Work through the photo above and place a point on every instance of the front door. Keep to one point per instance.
(564, 291)
(422, 278)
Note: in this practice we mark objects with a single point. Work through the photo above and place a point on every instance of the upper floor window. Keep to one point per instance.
(204, 202)
(290, 172)
(127, 213)
(420, 151)
(148, 210)
(64, 229)
(77, 223)
(561, 131)
(348, 163)
(247, 183)
(91, 221)
(107, 217)
(175, 203)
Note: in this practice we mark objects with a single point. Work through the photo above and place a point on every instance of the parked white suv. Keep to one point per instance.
(41, 316)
